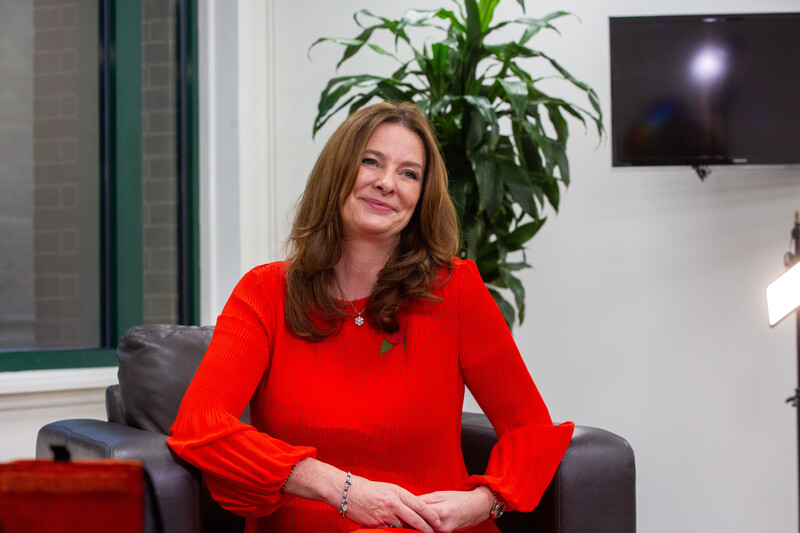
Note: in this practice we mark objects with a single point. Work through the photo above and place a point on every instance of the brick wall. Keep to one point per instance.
(159, 161)
(17, 313)
(55, 132)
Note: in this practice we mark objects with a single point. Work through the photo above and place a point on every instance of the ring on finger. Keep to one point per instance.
(396, 524)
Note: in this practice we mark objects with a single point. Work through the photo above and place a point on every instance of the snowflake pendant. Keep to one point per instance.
(359, 320)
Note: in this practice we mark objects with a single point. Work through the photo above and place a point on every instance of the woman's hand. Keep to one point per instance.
(369, 503)
(460, 509)
(375, 504)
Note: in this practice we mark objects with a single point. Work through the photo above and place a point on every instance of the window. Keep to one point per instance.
(97, 196)
(49, 193)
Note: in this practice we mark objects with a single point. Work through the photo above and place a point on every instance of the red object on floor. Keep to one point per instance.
(66, 496)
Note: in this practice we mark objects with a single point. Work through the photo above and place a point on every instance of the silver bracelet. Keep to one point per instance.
(343, 508)
(283, 487)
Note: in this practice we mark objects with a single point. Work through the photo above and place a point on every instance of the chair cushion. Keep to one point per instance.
(156, 364)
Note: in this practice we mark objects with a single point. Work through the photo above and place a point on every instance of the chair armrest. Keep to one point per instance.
(115, 412)
(173, 494)
(594, 488)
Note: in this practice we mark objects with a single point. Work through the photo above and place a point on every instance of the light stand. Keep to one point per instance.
(783, 298)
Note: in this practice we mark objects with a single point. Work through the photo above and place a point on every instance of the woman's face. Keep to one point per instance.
(388, 185)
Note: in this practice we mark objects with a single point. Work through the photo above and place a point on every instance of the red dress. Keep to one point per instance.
(392, 417)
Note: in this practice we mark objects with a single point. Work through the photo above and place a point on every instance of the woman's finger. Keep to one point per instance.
(416, 513)
(432, 497)
(413, 520)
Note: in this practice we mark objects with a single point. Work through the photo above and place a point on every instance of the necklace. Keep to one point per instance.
(359, 320)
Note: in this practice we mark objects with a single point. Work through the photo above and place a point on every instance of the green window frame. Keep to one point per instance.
(121, 173)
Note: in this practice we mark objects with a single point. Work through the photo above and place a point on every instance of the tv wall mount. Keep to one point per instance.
(702, 171)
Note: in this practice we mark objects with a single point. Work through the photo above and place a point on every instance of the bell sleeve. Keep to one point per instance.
(529, 447)
(243, 468)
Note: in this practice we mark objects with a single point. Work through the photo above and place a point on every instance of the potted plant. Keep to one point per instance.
(503, 139)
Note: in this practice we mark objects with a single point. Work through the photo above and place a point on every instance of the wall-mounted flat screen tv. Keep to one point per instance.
(705, 90)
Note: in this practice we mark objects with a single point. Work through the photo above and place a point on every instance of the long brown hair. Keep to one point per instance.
(427, 243)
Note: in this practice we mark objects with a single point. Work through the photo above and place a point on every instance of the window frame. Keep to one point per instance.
(120, 164)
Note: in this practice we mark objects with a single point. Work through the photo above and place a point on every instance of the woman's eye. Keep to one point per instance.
(410, 174)
(368, 161)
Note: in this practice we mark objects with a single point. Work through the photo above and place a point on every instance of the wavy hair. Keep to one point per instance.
(427, 243)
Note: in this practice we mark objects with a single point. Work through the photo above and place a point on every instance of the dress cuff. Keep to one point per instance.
(522, 464)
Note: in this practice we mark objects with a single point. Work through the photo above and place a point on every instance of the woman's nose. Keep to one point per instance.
(385, 182)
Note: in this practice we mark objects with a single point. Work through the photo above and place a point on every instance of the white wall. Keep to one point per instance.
(646, 307)
(31, 399)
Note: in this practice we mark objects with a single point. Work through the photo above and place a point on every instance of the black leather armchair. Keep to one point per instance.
(592, 492)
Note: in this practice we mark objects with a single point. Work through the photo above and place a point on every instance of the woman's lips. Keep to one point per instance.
(378, 205)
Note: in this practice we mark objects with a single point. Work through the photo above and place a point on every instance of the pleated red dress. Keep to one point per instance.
(392, 417)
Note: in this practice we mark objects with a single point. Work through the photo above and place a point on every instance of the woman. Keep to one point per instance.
(354, 353)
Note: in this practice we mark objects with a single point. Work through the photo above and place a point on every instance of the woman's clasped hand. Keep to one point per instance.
(383, 505)
(376, 504)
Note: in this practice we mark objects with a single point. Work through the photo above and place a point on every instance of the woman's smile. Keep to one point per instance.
(378, 205)
(388, 185)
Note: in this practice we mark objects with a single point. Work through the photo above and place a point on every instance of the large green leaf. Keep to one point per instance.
(517, 92)
(590, 94)
(559, 151)
(475, 132)
(490, 183)
(474, 30)
(505, 308)
(486, 8)
(488, 115)
(551, 191)
(352, 46)
(339, 87)
(559, 123)
(534, 26)
(517, 289)
(523, 233)
(519, 184)
(506, 52)
(423, 17)
(395, 27)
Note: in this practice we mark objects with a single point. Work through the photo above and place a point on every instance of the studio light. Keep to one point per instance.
(783, 297)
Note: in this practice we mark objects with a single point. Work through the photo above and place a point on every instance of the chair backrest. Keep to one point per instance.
(156, 364)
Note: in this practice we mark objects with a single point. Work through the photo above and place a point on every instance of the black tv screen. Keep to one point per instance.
(705, 90)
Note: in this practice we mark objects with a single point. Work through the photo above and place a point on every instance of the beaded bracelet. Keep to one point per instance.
(343, 508)
(283, 488)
